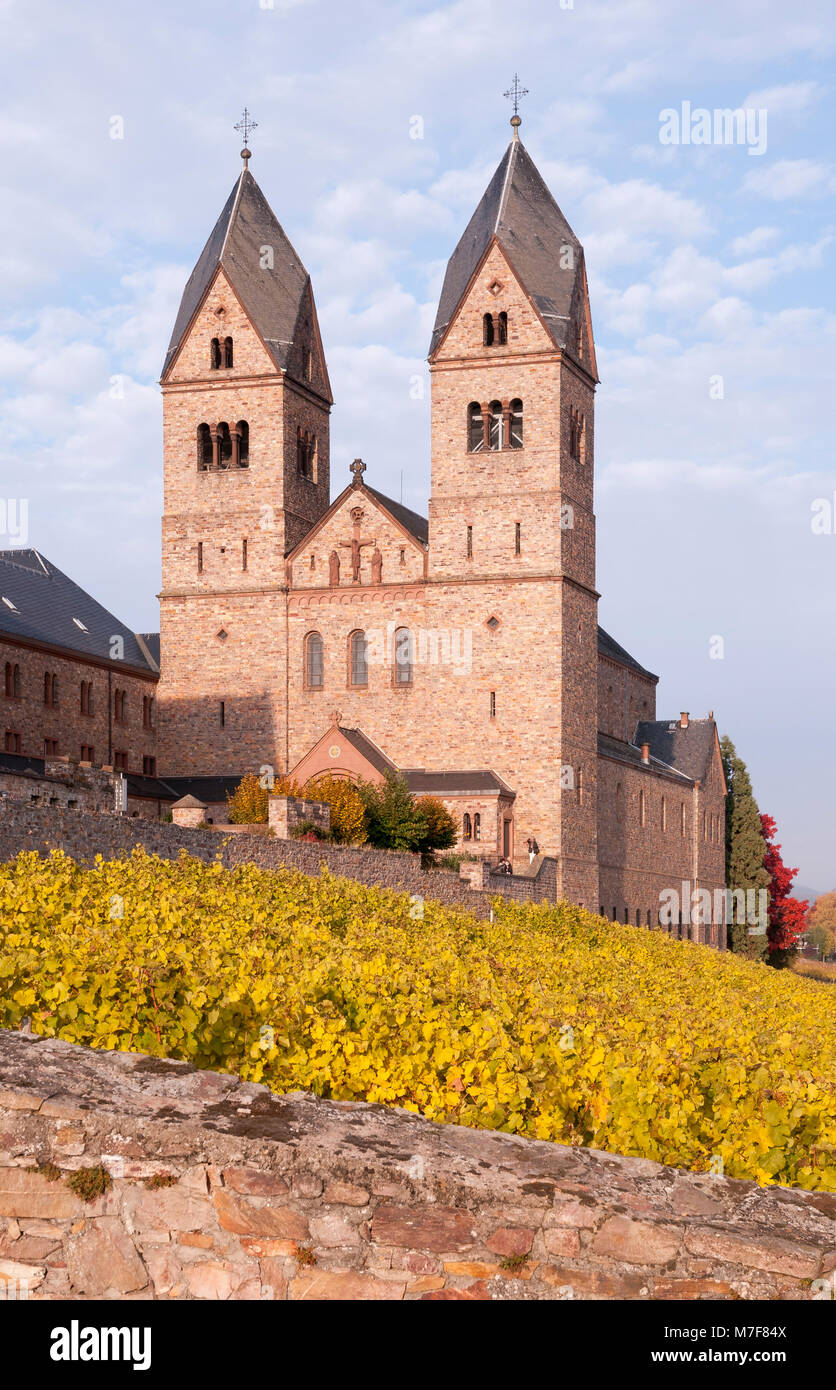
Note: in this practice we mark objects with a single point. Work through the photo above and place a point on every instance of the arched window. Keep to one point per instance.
(475, 428)
(314, 661)
(227, 357)
(497, 426)
(54, 700)
(243, 443)
(502, 328)
(47, 688)
(358, 659)
(487, 330)
(305, 453)
(477, 826)
(204, 447)
(466, 830)
(224, 445)
(215, 354)
(516, 425)
(404, 651)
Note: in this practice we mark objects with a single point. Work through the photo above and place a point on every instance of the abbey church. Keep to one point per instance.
(308, 635)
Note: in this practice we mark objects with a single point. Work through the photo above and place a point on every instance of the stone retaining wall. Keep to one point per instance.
(221, 1190)
(83, 835)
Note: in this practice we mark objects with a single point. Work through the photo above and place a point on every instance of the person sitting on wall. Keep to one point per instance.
(533, 850)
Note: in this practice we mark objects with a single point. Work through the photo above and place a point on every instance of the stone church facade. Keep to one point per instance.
(303, 635)
(307, 635)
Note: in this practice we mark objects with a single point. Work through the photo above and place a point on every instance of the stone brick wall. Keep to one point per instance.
(28, 716)
(285, 812)
(83, 836)
(221, 1190)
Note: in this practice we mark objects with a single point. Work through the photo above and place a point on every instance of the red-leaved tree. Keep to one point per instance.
(787, 915)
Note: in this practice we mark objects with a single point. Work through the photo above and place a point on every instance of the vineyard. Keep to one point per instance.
(548, 1022)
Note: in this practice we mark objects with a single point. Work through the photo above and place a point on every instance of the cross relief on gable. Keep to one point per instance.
(355, 546)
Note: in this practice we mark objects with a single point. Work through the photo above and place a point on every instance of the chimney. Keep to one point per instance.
(683, 719)
(645, 752)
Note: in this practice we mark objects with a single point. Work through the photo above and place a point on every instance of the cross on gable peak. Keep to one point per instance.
(358, 468)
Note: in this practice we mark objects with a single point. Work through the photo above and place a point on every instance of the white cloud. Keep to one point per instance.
(790, 178)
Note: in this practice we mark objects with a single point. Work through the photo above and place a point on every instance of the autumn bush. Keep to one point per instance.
(547, 1022)
(247, 805)
(348, 814)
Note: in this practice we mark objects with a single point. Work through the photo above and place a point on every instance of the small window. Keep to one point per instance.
(359, 663)
(516, 424)
(50, 748)
(244, 553)
(475, 428)
(497, 427)
(642, 808)
(224, 445)
(579, 787)
(403, 555)
(314, 661)
(576, 424)
(493, 704)
(487, 330)
(12, 741)
(242, 431)
(149, 766)
(502, 328)
(200, 557)
(517, 537)
(87, 753)
(477, 826)
(467, 831)
(214, 354)
(227, 352)
(682, 819)
(223, 714)
(469, 542)
(204, 448)
(638, 916)
(664, 813)
(54, 692)
(403, 656)
(120, 761)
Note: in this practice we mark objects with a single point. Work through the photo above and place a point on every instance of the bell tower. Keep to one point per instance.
(246, 405)
(511, 521)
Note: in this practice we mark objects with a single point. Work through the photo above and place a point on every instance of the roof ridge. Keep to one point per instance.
(503, 197)
(232, 213)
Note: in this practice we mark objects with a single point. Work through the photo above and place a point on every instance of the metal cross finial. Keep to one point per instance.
(245, 126)
(515, 93)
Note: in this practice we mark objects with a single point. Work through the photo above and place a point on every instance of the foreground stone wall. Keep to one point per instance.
(220, 1189)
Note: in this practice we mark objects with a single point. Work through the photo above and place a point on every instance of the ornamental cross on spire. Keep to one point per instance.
(515, 93)
(245, 126)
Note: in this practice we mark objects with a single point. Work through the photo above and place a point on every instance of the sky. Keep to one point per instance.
(711, 273)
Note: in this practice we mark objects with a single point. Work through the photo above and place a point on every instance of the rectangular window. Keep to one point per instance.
(149, 767)
(313, 562)
(200, 557)
(470, 542)
(493, 704)
(87, 753)
(12, 741)
(244, 554)
(120, 761)
(682, 819)
(223, 714)
(50, 747)
(517, 537)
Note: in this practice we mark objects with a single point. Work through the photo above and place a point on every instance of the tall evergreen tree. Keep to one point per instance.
(745, 846)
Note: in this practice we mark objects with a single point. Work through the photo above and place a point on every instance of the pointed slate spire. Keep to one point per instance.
(520, 212)
(250, 245)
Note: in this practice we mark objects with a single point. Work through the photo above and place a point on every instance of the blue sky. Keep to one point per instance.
(704, 261)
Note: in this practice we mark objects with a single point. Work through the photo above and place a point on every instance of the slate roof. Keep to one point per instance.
(205, 789)
(608, 646)
(417, 525)
(519, 210)
(46, 605)
(152, 642)
(632, 753)
(367, 749)
(273, 297)
(689, 750)
(470, 782)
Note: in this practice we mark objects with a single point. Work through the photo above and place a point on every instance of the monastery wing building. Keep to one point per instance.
(356, 635)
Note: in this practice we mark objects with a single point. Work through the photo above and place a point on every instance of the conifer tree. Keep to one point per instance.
(745, 846)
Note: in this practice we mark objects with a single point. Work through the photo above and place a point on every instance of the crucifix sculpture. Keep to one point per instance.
(356, 544)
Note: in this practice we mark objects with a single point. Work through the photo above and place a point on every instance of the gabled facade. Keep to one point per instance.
(291, 626)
